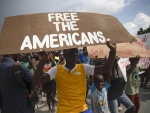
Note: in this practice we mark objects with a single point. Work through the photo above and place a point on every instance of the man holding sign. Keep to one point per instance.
(71, 79)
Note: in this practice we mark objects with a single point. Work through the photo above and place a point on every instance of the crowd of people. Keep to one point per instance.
(70, 74)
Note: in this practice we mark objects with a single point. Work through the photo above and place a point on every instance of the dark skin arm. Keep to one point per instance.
(111, 73)
(51, 59)
(32, 62)
(109, 76)
(109, 64)
(38, 79)
(113, 70)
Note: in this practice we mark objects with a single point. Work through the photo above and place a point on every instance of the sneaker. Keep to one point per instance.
(120, 108)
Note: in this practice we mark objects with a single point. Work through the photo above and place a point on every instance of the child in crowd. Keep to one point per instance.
(132, 85)
(99, 90)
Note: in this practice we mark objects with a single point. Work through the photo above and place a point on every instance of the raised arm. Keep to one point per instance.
(39, 77)
(32, 62)
(52, 60)
(111, 74)
(109, 64)
(133, 62)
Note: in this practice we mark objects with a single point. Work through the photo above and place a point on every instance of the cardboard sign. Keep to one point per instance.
(122, 63)
(56, 31)
(144, 62)
(145, 39)
(124, 50)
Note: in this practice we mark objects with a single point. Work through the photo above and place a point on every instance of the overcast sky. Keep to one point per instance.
(133, 14)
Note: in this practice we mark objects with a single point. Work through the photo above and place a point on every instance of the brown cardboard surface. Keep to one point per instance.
(124, 50)
(83, 29)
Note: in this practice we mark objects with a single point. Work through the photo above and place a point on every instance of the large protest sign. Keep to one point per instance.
(145, 38)
(55, 31)
(145, 62)
(124, 50)
(123, 62)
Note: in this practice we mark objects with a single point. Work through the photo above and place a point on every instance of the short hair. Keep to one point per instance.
(84, 48)
(66, 50)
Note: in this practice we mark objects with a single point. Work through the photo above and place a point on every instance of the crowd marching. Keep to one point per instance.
(69, 75)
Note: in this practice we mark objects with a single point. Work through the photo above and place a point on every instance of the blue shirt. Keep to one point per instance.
(84, 58)
(99, 102)
(14, 97)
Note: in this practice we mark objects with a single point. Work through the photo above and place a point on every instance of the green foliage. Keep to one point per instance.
(143, 31)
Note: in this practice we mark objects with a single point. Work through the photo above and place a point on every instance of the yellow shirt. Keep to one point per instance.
(71, 88)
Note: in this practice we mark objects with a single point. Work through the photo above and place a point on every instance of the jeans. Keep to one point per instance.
(123, 99)
(87, 111)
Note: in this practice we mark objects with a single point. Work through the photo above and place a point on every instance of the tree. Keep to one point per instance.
(141, 31)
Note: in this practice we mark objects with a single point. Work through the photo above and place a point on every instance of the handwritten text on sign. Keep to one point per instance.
(123, 50)
(64, 22)
(145, 39)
